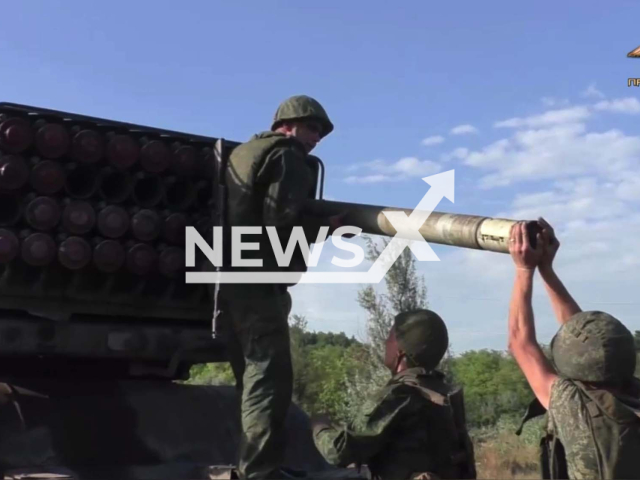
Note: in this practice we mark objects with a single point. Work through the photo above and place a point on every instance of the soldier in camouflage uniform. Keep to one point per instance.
(588, 388)
(414, 427)
(268, 179)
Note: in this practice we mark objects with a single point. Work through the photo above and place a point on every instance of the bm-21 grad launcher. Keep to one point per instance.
(96, 321)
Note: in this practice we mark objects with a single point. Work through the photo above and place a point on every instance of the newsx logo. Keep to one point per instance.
(283, 257)
(407, 235)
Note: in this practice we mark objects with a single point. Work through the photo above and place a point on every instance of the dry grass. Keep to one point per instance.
(502, 458)
(500, 454)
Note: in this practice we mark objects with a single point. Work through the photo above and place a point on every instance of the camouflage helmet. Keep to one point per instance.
(301, 107)
(422, 336)
(594, 347)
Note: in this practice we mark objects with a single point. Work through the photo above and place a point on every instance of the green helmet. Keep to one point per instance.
(423, 336)
(301, 107)
(594, 347)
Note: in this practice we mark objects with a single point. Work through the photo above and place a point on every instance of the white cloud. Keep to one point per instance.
(463, 129)
(558, 152)
(368, 179)
(554, 102)
(629, 188)
(598, 262)
(340, 314)
(434, 140)
(600, 224)
(403, 169)
(593, 92)
(629, 105)
(591, 196)
(415, 167)
(577, 114)
(551, 117)
(585, 198)
(459, 153)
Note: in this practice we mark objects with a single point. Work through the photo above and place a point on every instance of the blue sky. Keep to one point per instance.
(390, 77)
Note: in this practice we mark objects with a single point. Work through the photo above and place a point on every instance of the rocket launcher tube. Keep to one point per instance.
(14, 172)
(82, 180)
(108, 255)
(52, 139)
(115, 185)
(459, 230)
(47, 177)
(78, 217)
(87, 146)
(155, 156)
(9, 246)
(148, 190)
(10, 211)
(16, 134)
(74, 253)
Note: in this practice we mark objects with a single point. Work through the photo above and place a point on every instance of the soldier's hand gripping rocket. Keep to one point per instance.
(550, 244)
(524, 256)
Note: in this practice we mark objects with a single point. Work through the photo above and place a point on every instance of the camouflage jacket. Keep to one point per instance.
(399, 434)
(268, 180)
(599, 432)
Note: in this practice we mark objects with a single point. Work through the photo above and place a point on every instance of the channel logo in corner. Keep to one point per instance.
(634, 82)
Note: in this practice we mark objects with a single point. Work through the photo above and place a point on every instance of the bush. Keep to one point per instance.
(500, 453)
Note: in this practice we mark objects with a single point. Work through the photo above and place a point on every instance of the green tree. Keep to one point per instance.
(299, 360)
(328, 338)
(405, 290)
(211, 374)
(493, 384)
(329, 371)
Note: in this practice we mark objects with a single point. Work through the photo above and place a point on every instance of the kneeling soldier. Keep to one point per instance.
(414, 427)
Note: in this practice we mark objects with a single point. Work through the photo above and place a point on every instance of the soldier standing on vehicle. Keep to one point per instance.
(268, 180)
(592, 397)
(414, 427)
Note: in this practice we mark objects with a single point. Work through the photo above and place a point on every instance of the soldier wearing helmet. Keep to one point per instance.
(414, 426)
(303, 118)
(588, 388)
(268, 179)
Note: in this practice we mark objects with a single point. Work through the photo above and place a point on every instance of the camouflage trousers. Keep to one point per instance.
(255, 322)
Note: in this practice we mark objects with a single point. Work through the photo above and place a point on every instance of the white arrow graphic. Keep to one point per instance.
(407, 227)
